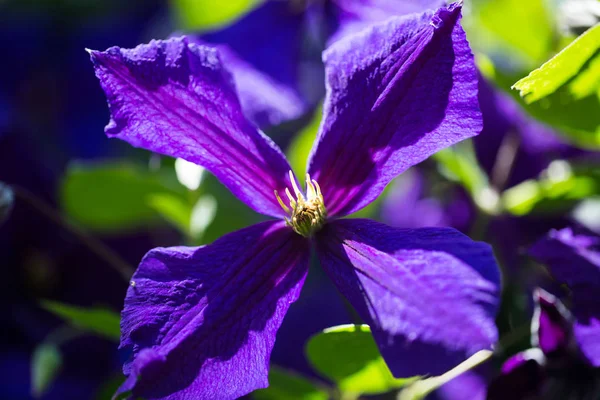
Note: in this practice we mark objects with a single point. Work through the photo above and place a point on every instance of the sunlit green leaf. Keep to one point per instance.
(173, 209)
(100, 321)
(46, 363)
(207, 14)
(578, 120)
(112, 197)
(564, 67)
(522, 29)
(348, 355)
(559, 189)
(565, 91)
(284, 385)
(459, 164)
(575, 119)
(587, 82)
(191, 215)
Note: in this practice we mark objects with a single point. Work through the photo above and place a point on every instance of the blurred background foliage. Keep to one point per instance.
(80, 210)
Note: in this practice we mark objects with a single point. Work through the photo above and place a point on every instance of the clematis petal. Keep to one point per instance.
(430, 294)
(175, 98)
(521, 379)
(396, 93)
(534, 373)
(263, 50)
(573, 257)
(351, 16)
(551, 325)
(201, 322)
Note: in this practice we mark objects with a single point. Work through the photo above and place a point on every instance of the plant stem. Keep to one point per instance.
(93, 244)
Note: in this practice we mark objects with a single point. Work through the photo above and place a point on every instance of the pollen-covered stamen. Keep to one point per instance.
(307, 215)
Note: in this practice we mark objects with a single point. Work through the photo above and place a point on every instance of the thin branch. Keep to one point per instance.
(505, 160)
(95, 245)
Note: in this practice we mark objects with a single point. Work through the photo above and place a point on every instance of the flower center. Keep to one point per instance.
(307, 215)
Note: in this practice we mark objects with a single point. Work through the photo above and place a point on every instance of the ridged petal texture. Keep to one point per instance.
(430, 295)
(396, 93)
(201, 322)
(175, 98)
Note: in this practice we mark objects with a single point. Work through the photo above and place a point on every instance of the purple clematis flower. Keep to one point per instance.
(554, 368)
(201, 322)
(573, 258)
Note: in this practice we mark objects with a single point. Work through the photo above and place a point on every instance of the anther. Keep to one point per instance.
(281, 203)
(307, 215)
(296, 190)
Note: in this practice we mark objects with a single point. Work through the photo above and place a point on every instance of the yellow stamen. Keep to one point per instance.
(281, 203)
(318, 188)
(297, 191)
(289, 195)
(310, 189)
(307, 215)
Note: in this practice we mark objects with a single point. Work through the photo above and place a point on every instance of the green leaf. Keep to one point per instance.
(578, 120)
(559, 70)
(459, 164)
(173, 209)
(298, 151)
(522, 29)
(208, 14)
(348, 355)
(111, 197)
(191, 221)
(284, 385)
(575, 119)
(565, 91)
(225, 221)
(46, 363)
(561, 186)
(107, 390)
(100, 321)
